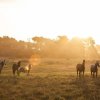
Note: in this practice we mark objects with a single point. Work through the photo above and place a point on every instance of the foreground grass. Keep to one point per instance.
(49, 87)
(51, 80)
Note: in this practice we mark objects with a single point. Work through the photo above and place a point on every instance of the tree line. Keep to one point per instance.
(62, 47)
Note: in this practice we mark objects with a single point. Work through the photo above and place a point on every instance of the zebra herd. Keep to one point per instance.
(93, 69)
(16, 68)
(80, 68)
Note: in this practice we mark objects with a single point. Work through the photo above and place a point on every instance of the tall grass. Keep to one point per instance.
(50, 80)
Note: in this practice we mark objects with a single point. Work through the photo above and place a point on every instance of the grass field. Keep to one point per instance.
(50, 80)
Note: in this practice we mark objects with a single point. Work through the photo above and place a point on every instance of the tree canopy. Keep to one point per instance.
(61, 47)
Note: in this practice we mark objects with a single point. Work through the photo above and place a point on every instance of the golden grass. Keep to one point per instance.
(49, 81)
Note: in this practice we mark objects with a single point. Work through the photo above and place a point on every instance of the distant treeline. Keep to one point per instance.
(61, 47)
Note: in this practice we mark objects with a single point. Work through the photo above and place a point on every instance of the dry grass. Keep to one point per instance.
(54, 80)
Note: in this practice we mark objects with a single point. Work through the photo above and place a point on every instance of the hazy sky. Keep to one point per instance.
(23, 19)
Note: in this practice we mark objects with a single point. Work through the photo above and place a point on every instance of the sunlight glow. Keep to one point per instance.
(35, 60)
(23, 19)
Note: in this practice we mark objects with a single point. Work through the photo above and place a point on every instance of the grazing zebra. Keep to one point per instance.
(80, 68)
(25, 69)
(2, 63)
(94, 69)
(15, 67)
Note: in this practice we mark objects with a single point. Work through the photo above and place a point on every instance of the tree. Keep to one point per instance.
(90, 49)
(62, 39)
(76, 48)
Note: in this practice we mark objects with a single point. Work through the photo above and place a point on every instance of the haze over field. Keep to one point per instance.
(49, 50)
(23, 19)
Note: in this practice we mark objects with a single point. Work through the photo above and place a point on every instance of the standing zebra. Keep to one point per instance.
(94, 69)
(80, 68)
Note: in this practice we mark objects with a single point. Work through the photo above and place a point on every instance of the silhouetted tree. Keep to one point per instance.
(90, 52)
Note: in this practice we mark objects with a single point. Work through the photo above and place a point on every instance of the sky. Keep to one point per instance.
(23, 19)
